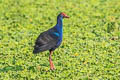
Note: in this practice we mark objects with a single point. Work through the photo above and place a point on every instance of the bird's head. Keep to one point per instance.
(63, 15)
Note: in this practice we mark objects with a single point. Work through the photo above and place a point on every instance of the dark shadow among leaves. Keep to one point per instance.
(11, 68)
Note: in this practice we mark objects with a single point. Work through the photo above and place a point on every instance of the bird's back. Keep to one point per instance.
(46, 40)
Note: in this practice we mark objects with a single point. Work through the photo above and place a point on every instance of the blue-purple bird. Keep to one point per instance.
(51, 39)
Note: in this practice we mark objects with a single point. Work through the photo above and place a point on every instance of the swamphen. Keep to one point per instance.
(51, 39)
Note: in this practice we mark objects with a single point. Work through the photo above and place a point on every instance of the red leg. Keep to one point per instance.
(50, 60)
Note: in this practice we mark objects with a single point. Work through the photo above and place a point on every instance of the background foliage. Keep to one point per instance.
(91, 42)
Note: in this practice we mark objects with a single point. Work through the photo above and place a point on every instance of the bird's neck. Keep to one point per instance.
(59, 25)
(60, 22)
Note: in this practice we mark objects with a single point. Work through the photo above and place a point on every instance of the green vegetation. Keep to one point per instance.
(91, 41)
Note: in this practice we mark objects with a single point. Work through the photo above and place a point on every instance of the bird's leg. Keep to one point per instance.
(50, 60)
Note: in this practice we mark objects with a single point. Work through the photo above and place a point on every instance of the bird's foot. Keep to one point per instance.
(52, 68)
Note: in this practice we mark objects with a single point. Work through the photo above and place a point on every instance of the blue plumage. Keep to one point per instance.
(57, 34)
(52, 38)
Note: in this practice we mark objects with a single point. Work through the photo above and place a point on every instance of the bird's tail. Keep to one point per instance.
(42, 48)
(37, 49)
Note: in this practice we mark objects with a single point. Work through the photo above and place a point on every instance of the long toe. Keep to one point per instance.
(52, 68)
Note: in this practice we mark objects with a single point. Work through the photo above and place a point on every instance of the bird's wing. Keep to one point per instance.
(46, 40)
